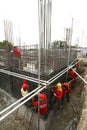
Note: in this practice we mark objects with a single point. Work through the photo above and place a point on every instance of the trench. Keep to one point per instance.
(67, 118)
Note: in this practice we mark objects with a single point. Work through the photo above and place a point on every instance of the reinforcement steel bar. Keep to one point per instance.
(7, 114)
(63, 71)
(43, 82)
(29, 96)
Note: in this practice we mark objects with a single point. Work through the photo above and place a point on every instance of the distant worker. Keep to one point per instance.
(66, 91)
(58, 93)
(16, 55)
(24, 88)
(43, 103)
(16, 52)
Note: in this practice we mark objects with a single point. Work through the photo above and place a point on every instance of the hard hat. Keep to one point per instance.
(25, 86)
(59, 85)
(42, 96)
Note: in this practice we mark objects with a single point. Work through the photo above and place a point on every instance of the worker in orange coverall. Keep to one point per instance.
(43, 104)
(58, 93)
(66, 91)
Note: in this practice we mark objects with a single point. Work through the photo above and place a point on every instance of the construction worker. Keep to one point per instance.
(72, 75)
(16, 52)
(17, 56)
(24, 88)
(66, 91)
(24, 92)
(43, 104)
(58, 92)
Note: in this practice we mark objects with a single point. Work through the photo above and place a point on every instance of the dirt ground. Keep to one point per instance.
(61, 118)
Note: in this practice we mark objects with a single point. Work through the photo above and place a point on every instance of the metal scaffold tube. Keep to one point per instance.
(15, 108)
(80, 77)
(39, 54)
(35, 80)
(44, 20)
(29, 96)
(18, 101)
(69, 43)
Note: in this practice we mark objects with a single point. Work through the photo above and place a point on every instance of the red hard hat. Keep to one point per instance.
(42, 96)
(25, 86)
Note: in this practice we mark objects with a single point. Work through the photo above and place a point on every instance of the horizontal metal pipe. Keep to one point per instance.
(7, 114)
(80, 77)
(19, 100)
(33, 94)
(23, 76)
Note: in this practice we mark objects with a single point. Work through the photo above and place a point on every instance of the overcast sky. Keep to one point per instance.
(24, 16)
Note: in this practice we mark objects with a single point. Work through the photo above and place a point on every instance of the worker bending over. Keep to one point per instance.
(72, 75)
